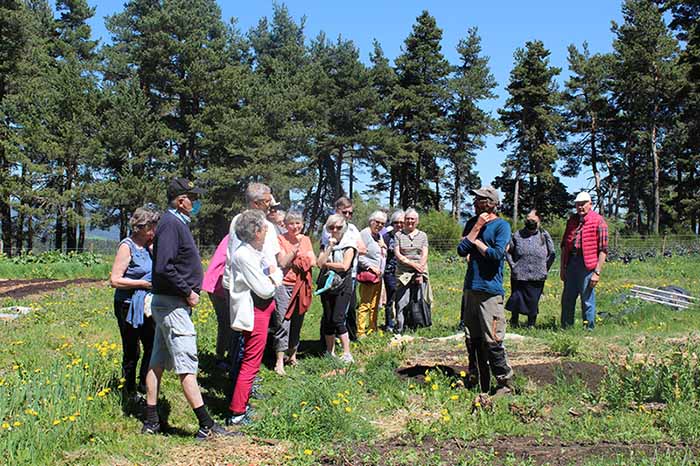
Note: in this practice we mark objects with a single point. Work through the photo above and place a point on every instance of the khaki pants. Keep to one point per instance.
(485, 328)
(368, 308)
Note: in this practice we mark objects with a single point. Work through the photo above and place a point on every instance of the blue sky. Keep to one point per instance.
(503, 25)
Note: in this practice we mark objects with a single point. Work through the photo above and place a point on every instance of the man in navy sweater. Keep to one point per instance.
(177, 279)
(485, 238)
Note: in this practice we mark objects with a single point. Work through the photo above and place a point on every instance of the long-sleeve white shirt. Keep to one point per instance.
(248, 276)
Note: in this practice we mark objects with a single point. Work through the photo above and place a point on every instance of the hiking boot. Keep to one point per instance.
(150, 428)
(206, 433)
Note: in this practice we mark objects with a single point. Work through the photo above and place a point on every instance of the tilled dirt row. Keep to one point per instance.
(22, 288)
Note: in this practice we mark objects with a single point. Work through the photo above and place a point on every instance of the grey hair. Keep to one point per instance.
(249, 224)
(397, 215)
(143, 218)
(173, 202)
(378, 215)
(411, 210)
(255, 192)
(336, 219)
(293, 216)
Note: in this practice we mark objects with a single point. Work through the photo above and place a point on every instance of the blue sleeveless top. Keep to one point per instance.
(139, 266)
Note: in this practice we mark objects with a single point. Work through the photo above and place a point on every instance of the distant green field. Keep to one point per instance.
(60, 383)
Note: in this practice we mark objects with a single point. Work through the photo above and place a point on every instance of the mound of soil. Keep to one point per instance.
(569, 371)
(549, 451)
(547, 373)
(22, 288)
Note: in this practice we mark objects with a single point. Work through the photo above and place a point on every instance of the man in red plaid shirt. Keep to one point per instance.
(584, 248)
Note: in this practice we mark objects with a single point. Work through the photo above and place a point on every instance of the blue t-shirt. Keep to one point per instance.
(485, 272)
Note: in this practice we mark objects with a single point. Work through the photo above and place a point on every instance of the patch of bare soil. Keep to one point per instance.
(540, 369)
(569, 371)
(548, 451)
(226, 452)
(22, 288)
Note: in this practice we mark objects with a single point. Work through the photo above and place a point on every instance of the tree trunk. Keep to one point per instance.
(123, 224)
(516, 193)
(58, 234)
(82, 223)
(392, 187)
(19, 234)
(351, 177)
(339, 172)
(594, 164)
(657, 190)
(30, 233)
(456, 192)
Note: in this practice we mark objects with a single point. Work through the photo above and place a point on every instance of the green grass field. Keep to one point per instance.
(60, 399)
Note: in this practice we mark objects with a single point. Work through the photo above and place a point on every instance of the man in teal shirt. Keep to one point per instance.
(484, 241)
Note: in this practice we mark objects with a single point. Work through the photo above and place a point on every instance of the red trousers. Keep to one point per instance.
(254, 347)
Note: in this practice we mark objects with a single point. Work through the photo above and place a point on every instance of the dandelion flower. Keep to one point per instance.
(454, 397)
(428, 379)
(5, 425)
(434, 386)
(56, 422)
(16, 423)
(336, 402)
(348, 409)
(462, 374)
(308, 452)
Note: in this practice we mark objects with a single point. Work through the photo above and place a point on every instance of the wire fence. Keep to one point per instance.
(619, 245)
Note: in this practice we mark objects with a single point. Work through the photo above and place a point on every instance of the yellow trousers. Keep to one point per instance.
(368, 308)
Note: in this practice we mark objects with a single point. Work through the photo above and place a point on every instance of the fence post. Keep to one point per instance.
(663, 245)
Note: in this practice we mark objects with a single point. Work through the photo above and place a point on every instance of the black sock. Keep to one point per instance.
(203, 417)
(152, 414)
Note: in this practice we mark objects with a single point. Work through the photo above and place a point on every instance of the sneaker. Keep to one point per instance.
(244, 419)
(150, 428)
(205, 433)
(347, 358)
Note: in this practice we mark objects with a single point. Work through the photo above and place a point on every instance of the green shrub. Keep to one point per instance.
(564, 345)
(443, 231)
(675, 378)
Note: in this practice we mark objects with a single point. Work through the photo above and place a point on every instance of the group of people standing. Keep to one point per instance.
(259, 281)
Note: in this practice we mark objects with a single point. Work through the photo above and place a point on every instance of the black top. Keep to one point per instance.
(177, 267)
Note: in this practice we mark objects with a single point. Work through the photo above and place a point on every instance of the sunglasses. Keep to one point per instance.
(347, 213)
(335, 228)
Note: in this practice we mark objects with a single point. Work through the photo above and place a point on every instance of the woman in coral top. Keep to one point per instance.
(294, 296)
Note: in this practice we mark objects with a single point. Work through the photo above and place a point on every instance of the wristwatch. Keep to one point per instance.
(597, 272)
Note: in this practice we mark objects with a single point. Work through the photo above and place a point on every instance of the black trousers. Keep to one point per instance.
(132, 341)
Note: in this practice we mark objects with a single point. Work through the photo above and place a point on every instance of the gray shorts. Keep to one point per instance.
(175, 343)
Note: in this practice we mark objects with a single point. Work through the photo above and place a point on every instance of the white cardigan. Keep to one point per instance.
(247, 276)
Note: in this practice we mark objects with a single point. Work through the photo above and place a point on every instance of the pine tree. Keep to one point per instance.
(646, 83)
(384, 141)
(420, 113)
(468, 124)
(13, 41)
(533, 121)
(588, 116)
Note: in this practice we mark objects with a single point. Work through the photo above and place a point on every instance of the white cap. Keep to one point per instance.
(583, 196)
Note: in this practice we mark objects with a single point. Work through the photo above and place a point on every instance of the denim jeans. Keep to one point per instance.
(577, 283)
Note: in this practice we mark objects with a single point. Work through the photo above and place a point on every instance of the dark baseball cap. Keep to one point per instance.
(180, 186)
(488, 192)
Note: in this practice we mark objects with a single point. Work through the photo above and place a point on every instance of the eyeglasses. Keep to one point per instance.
(378, 223)
(397, 223)
(347, 213)
(335, 228)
